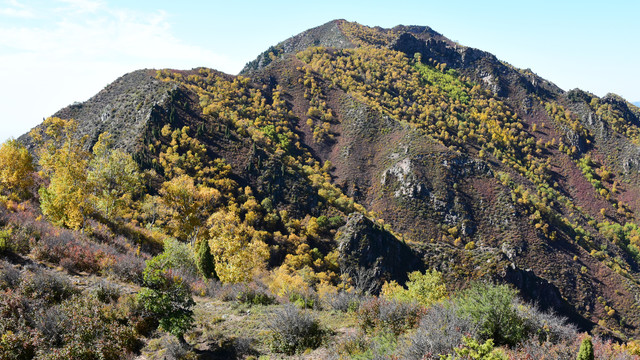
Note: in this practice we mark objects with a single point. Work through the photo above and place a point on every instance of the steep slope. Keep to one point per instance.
(486, 171)
(123, 109)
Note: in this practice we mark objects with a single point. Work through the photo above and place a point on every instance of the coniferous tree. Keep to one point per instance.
(586, 350)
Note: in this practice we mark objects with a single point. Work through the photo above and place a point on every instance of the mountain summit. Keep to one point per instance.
(392, 150)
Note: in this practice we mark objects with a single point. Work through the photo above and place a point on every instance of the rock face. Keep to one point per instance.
(365, 245)
(123, 109)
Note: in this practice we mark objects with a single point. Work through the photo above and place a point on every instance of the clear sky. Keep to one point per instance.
(56, 52)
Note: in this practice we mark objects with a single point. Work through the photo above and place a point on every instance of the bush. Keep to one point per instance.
(128, 267)
(12, 241)
(534, 350)
(18, 345)
(426, 288)
(344, 301)
(255, 294)
(50, 324)
(178, 256)
(106, 292)
(545, 326)
(71, 253)
(293, 330)
(92, 331)
(360, 346)
(167, 298)
(304, 300)
(378, 314)
(473, 350)
(169, 348)
(9, 276)
(50, 287)
(440, 331)
(491, 308)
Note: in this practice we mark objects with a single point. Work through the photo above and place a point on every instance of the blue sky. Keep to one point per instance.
(56, 52)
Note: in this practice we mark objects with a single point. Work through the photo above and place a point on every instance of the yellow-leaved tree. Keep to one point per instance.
(65, 201)
(16, 170)
(238, 249)
(114, 178)
(189, 205)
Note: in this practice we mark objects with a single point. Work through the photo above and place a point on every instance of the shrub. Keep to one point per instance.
(167, 298)
(72, 253)
(50, 324)
(360, 346)
(378, 314)
(9, 276)
(5, 244)
(92, 331)
(490, 308)
(171, 349)
(106, 292)
(473, 350)
(50, 287)
(304, 300)
(344, 301)
(424, 288)
(128, 267)
(18, 345)
(544, 326)
(255, 293)
(532, 349)
(16, 310)
(178, 256)
(441, 330)
(293, 330)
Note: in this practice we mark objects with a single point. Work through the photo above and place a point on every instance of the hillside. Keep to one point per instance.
(337, 163)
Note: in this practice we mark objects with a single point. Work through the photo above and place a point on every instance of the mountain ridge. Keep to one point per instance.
(503, 178)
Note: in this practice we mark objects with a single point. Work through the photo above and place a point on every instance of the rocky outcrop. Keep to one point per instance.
(123, 109)
(362, 244)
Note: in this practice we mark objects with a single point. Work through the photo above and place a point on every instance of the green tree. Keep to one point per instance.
(167, 298)
(586, 350)
(491, 308)
(64, 163)
(204, 261)
(16, 169)
(114, 178)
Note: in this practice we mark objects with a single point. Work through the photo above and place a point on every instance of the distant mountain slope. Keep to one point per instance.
(484, 170)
